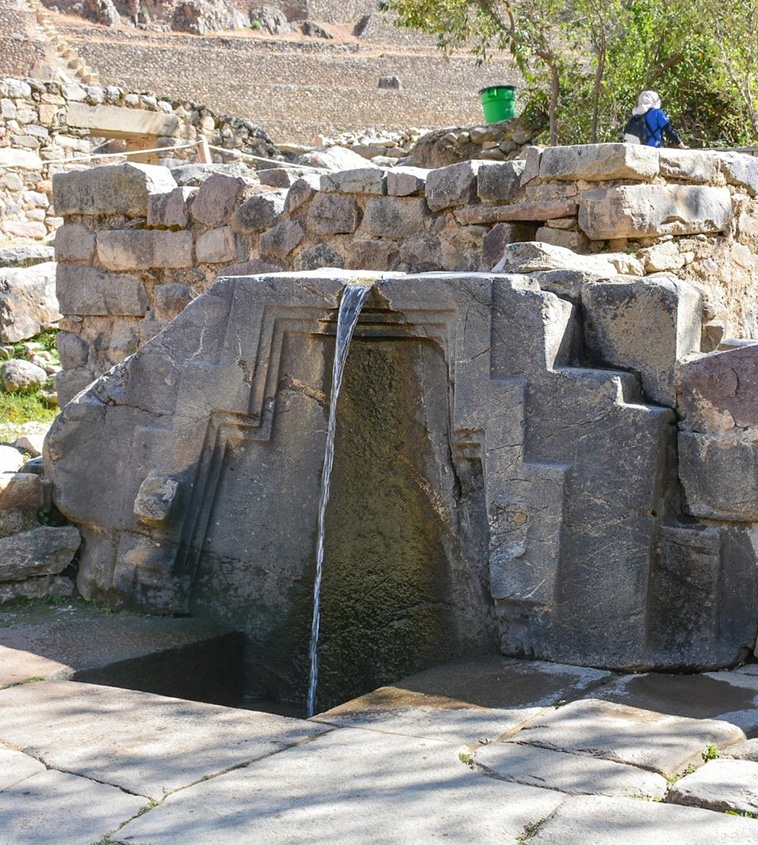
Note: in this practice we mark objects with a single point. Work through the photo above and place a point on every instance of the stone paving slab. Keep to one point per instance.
(467, 701)
(731, 696)
(56, 648)
(747, 750)
(661, 743)
(144, 743)
(577, 774)
(597, 820)
(53, 808)
(16, 767)
(720, 785)
(347, 788)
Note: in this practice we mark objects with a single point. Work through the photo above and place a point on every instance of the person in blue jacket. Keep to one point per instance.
(656, 122)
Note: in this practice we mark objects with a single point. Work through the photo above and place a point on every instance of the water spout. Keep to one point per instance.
(353, 297)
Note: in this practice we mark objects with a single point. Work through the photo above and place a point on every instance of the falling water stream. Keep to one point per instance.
(353, 297)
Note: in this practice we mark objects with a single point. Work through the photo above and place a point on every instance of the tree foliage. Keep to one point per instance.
(584, 61)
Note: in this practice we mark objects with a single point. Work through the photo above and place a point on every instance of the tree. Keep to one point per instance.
(534, 32)
(734, 29)
(585, 61)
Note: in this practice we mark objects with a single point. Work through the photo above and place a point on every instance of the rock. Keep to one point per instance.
(75, 242)
(406, 181)
(313, 30)
(21, 376)
(332, 214)
(112, 189)
(271, 20)
(395, 217)
(154, 500)
(169, 300)
(320, 255)
(103, 12)
(532, 256)
(27, 229)
(720, 476)
(661, 257)
(19, 159)
(42, 551)
(301, 192)
(721, 785)
(216, 246)
(698, 166)
(740, 170)
(500, 182)
(278, 177)
(21, 490)
(44, 587)
(201, 17)
(747, 750)
(169, 210)
(333, 158)
(389, 83)
(366, 180)
(30, 443)
(25, 256)
(517, 211)
(193, 175)
(254, 267)
(645, 325)
(633, 211)
(443, 147)
(86, 290)
(599, 162)
(69, 383)
(134, 249)
(561, 237)
(719, 392)
(217, 198)
(281, 239)
(10, 459)
(372, 254)
(73, 350)
(28, 304)
(452, 185)
(499, 236)
(258, 212)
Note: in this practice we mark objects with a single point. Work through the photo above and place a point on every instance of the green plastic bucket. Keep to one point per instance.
(498, 102)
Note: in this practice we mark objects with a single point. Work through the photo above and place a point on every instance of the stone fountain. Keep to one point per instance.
(490, 490)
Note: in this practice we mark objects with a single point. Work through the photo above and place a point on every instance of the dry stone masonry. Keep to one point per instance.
(43, 125)
(578, 417)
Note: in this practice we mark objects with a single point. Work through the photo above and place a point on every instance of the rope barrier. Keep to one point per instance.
(128, 153)
(261, 158)
(109, 155)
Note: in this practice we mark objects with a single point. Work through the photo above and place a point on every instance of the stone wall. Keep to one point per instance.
(38, 135)
(635, 211)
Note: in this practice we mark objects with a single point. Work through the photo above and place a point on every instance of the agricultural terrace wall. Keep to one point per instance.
(297, 90)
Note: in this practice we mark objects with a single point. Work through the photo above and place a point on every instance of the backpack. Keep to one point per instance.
(635, 131)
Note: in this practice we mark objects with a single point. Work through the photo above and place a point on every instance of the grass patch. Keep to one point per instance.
(18, 408)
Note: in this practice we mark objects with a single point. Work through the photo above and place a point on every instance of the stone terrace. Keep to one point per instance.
(296, 90)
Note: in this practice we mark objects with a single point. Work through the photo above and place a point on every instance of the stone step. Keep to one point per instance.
(176, 657)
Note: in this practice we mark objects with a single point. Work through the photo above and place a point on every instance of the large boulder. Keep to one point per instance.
(28, 304)
(637, 211)
(46, 550)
